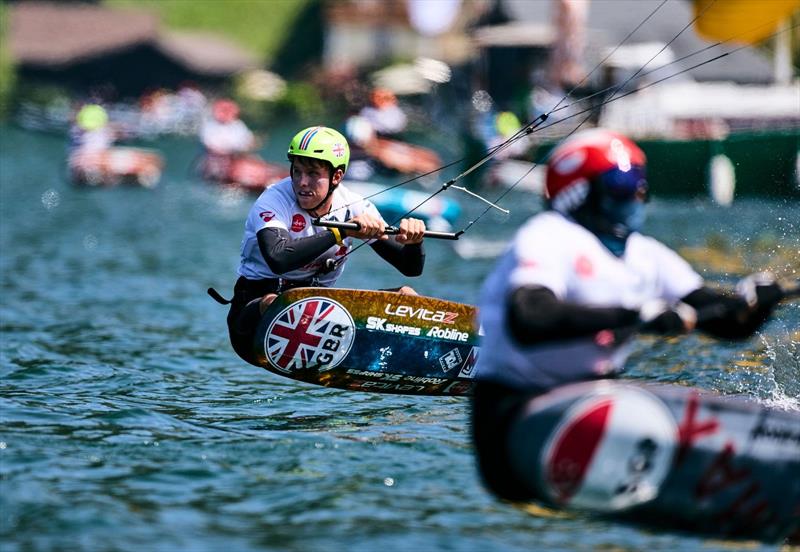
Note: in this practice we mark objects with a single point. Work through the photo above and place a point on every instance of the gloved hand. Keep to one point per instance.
(760, 291)
(659, 317)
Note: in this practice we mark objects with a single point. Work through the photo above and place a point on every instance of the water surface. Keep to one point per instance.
(128, 423)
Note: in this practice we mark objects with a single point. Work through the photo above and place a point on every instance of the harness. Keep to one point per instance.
(246, 290)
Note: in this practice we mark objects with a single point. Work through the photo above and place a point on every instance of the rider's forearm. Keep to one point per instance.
(536, 315)
(409, 259)
(283, 254)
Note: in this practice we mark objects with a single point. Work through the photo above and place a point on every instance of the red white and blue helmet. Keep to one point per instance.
(598, 160)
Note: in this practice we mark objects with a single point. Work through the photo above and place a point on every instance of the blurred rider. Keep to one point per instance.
(384, 113)
(282, 249)
(224, 136)
(224, 133)
(574, 286)
(91, 132)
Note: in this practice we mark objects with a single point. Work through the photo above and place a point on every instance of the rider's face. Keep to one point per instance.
(310, 181)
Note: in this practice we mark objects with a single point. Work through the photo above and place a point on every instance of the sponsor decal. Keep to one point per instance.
(450, 360)
(691, 429)
(266, 216)
(404, 311)
(314, 333)
(447, 333)
(458, 388)
(739, 495)
(584, 267)
(312, 266)
(469, 364)
(298, 222)
(774, 431)
(610, 452)
(381, 324)
(375, 375)
(383, 376)
(605, 338)
(389, 387)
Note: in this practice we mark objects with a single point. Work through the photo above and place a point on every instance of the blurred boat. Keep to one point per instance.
(439, 213)
(116, 165)
(246, 172)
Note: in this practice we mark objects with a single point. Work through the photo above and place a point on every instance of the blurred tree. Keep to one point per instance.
(293, 57)
(262, 26)
(7, 73)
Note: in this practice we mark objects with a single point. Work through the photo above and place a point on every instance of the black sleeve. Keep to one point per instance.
(283, 254)
(536, 315)
(408, 259)
(724, 315)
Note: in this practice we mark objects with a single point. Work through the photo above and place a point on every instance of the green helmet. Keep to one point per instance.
(322, 143)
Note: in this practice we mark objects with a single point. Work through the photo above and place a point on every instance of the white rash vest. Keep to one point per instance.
(277, 207)
(554, 252)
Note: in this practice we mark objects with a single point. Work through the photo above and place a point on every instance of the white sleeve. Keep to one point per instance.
(678, 279)
(541, 261)
(369, 207)
(270, 211)
(366, 206)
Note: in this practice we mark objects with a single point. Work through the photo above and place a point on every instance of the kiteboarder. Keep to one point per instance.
(577, 282)
(384, 114)
(282, 249)
(91, 132)
(225, 138)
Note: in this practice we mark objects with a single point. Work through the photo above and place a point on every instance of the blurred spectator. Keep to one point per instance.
(191, 98)
(384, 114)
(167, 112)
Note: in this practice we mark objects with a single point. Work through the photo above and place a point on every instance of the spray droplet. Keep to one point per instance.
(51, 199)
(90, 242)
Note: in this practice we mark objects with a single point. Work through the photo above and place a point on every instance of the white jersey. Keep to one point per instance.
(386, 120)
(277, 207)
(556, 253)
(91, 141)
(226, 138)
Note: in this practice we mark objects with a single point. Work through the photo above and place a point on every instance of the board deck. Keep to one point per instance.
(663, 455)
(364, 340)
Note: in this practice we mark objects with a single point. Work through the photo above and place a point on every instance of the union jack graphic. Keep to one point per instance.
(338, 149)
(311, 333)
